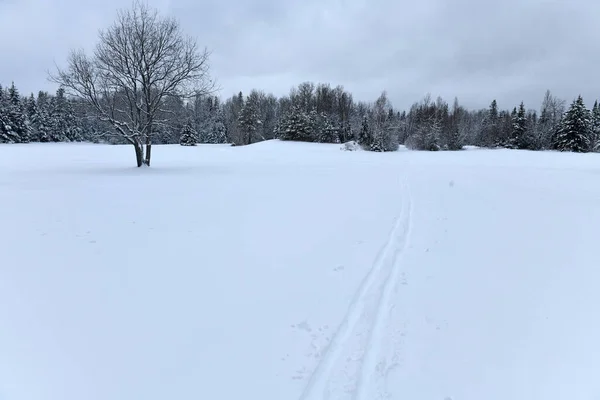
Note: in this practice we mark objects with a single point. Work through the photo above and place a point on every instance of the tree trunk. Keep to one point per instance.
(139, 153)
(148, 134)
(148, 151)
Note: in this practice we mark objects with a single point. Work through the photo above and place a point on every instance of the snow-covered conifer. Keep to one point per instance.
(365, 136)
(328, 133)
(249, 120)
(575, 129)
(296, 126)
(518, 137)
(595, 131)
(188, 136)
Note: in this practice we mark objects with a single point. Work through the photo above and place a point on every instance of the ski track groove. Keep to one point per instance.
(373, 349)
(317, 385)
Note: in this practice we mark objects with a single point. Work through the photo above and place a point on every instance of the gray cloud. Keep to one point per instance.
(476, 50)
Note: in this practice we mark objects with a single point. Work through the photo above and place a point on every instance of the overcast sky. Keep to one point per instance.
(476, 50)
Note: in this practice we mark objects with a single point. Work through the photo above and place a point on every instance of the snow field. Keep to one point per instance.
(297, 271)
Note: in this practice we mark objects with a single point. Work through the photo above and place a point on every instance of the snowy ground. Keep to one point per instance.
(285, 271)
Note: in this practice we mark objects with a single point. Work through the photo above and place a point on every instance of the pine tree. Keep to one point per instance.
(74, 131)
(41, 121)
(365, 136)
(531, 141)
(314, 125)
(328, 131)
(518, 139)
(505, 126)
(58, 129)
(454, 140)
(202, 110)
(232, 109)
(383, 140)
(378, 144)
(511, 142)
(490, 133)
(595, 131)
(218, 133)
(296, 126)
(63, 125)
(575, 129)
(6, 133)
(31, 106)
(16, 116)
(188, 136)
(30, 116)
(249, 120)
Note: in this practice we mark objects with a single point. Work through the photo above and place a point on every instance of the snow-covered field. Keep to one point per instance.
(287, 271)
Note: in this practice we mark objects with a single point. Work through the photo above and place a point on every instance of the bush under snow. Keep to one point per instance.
(350, 146)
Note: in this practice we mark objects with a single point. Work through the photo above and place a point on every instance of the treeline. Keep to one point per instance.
(314, 113)
(43, 119)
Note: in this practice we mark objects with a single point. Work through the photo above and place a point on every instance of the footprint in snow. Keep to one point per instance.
(304, 326)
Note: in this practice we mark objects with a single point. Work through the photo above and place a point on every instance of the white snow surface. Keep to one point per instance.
(289, 271)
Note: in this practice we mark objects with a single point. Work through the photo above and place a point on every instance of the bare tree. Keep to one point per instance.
(551, 113)
(139, 62)
(385, 137)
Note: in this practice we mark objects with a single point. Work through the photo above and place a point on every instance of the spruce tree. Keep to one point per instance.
(328, 132)
(249, 120)
(490, 133)
(454, 140)
(575, 129)
(296, 126)
(74, 131)
(16, 116)
(188, 136)
(58, 128)
(6, 133)
(530, 140)
(518, 135)
(41, 121)
(365, 136)
(218, 133)
(315, 125)
(30, 116)
(513, 126)
(505, 125)
(63, 126)
(378, 143)
(31, 106)
(595, 131)
(383, 140)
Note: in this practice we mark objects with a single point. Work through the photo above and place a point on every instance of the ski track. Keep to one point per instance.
(379, 282)
(373, 367)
